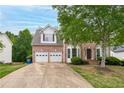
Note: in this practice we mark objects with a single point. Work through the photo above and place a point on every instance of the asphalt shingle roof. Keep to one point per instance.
(119, 49)
(37, 37)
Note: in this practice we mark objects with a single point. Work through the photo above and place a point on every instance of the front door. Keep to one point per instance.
(89, 53)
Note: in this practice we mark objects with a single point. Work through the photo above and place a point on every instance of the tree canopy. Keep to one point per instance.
(21, 45)
(100, 24)
(1, 45)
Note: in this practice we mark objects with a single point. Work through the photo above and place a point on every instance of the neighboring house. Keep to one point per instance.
(6, 51)
(118, 52)
(47, 47)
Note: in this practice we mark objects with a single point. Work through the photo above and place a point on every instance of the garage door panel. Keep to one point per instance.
(41, 57)
(55, 56)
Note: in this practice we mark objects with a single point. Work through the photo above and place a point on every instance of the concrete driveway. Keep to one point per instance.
(47, 75)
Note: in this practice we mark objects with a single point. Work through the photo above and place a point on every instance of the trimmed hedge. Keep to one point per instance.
(99, 58)
(112, 61)
(122, 62)
(78, 61)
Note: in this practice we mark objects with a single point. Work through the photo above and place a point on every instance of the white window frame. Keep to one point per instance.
(77, 52)
(48, 41)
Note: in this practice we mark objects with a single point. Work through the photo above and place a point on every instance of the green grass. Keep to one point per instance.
(111, 77)
(8, 68)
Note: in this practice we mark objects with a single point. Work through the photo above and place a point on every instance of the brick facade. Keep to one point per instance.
(46, 48)
(63, 49)
(84, 48)
(85, 51)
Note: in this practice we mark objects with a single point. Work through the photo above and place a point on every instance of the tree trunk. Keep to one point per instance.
(103, 56)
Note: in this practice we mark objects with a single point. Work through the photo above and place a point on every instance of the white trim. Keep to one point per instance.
(71, 47)
(99, 47)
(55, 40)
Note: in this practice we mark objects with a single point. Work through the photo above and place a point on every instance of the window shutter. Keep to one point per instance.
(43, 37)
(53, 37)
(68, 53)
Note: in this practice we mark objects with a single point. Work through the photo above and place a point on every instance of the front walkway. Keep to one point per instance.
(48, 75)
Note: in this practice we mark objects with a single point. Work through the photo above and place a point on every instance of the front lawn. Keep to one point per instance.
(111, 77)
(8, 68)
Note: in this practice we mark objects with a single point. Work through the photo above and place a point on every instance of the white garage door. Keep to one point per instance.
(41, 57)
(55, 56)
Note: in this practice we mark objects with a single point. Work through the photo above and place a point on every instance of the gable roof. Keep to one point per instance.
(7, 38)
(37, 37)
(49, 26)
(119, 49)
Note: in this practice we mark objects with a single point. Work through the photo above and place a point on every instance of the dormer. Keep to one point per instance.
(48, 35)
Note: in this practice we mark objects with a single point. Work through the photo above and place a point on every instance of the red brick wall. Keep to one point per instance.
(64, 53)
(46, 48)
(63, 48)
(91, 46)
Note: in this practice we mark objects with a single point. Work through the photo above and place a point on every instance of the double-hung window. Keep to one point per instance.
(48, 38)
(74, 52)
(69, 53)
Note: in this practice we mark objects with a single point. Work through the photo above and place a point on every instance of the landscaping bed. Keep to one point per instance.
(109, 77)
(8, 68)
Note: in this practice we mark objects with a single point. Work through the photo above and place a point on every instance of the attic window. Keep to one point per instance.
(48, 37)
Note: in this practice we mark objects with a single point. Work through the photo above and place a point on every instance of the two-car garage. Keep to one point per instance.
(42, 57)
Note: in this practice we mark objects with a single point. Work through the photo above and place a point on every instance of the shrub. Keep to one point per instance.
(112, 61)
(99, 58)
(78, 61)
(29, 57)
(122, 62)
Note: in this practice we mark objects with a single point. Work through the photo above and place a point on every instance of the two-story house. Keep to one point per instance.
(47, 47)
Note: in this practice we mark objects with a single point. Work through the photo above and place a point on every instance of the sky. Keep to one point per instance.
(16, 18)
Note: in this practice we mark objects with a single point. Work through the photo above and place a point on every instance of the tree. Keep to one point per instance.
(21, 45)
(100, 24)
(11, 36)
(1, 45)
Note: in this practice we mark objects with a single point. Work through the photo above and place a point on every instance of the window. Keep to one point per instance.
(74, 52)
(98, 53)
(78, 52)
(48, 37)
(68, 53)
